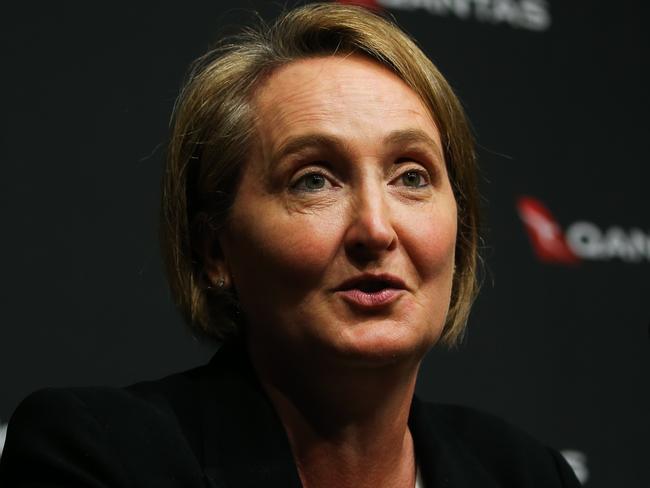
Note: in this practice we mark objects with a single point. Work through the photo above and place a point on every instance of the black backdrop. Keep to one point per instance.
(558, 340)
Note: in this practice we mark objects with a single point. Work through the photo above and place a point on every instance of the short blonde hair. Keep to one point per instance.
(212, 133)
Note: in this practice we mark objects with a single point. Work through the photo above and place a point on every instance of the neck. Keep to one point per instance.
(347, 424)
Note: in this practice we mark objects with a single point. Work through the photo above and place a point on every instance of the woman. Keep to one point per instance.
(320, 220)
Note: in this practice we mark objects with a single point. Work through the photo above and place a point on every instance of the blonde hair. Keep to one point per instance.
(212, 133)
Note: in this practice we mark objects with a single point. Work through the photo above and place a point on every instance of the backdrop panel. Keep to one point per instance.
(558, 340)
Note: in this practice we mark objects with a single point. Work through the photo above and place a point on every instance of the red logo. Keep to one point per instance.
(544, 232)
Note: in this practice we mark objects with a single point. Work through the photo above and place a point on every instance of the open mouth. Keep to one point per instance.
(371, 283)
(372, 292)
(372, 286)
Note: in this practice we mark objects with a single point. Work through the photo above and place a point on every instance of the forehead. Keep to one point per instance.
(350, 97)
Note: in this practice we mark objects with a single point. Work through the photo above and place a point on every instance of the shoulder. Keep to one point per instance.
(89, 434)
(498, 449)
(136, 411)
(476, 427)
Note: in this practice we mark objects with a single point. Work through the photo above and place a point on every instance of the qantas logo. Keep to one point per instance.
(545, 234)
(581, 240)
(531, 15)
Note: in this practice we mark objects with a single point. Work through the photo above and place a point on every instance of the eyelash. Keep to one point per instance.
(301, 178)
(423, 173)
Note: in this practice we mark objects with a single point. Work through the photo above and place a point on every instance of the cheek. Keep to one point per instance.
(431, 246)
(430, 241)
(290, 250)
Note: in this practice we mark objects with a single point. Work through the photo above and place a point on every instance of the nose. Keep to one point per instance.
(370, 232)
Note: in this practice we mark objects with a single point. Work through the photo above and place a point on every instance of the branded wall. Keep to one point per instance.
(558, 339)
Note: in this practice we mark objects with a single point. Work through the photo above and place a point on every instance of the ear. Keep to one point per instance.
(215, 268)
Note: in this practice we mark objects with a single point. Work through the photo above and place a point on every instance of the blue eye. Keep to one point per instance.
(310, 182)
(414, 179)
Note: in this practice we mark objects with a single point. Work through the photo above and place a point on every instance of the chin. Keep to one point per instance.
(379, 344)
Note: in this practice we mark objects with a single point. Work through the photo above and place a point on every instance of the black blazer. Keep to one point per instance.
(213, 426)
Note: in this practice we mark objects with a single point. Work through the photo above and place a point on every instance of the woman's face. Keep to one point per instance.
(347, 181)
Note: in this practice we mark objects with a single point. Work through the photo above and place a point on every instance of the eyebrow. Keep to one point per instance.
(406, 137)
(402, 137)
(307, 141)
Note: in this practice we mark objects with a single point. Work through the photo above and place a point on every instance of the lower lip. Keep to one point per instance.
(371, 300)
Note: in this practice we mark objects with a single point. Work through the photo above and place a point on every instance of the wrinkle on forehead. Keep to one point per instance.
(316, 94)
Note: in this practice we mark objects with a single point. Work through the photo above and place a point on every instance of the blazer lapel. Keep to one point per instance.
(245, 444)
(443, 460)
